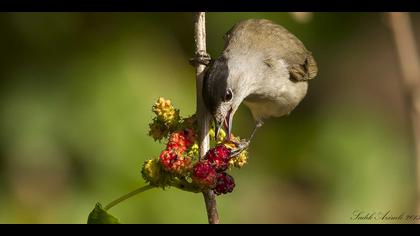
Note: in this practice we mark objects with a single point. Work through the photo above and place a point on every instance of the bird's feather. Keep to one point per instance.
(301, 64)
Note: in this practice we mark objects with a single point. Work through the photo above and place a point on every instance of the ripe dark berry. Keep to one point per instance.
(204, 174)
(219, 157)
(224, 183)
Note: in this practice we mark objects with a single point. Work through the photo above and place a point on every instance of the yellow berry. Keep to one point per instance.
(194, 150)
(221, 136)
(166, 113)
(153, 173)
(211, 133)
(240, 160)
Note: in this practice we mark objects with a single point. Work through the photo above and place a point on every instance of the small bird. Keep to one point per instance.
(263, 65)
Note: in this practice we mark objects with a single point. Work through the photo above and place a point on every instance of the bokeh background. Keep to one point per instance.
(76, 91)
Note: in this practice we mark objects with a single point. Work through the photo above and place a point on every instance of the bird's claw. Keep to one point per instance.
(200, 57)
(240, 147)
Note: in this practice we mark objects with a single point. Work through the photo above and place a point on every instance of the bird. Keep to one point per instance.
(262, 65)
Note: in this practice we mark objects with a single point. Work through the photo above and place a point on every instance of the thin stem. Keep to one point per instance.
(203, 117)
(185, 186)
(127, 196)
(410, 67)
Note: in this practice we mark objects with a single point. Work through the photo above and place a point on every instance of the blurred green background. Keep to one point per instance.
(76, 91)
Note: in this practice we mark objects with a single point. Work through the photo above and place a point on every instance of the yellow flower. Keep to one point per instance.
(166, 113)
(194, 151)
(220, 136)
(240, 160)
(211, 133)
(153, 173)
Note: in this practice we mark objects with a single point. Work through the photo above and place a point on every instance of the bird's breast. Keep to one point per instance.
(276, 102)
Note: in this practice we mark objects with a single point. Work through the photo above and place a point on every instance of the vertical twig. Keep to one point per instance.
(202, 114)
(410, 67)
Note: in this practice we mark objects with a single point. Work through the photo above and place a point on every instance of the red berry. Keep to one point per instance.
(219, 157)
(204, 174)
(177, 147)
(174, 162)
(224, 183)
(180, 141)
(167, 158)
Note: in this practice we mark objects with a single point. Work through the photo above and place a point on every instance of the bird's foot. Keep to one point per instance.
(244, 144)
(240, 147)
(200, 57)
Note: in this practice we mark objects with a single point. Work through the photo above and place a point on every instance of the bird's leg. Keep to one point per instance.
(258, 124)
(201, 57)
(243, 144)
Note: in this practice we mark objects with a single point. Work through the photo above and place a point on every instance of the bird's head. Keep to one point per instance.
(221, 94)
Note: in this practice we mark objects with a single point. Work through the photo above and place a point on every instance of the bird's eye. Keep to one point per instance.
(228, 95)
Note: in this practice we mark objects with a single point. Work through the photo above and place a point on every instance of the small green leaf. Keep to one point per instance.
(100, 216)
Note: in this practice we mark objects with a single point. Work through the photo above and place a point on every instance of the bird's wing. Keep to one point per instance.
(276, 43)
(303, 71)
(301, 64)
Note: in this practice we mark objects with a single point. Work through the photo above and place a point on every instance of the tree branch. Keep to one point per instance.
(202, 114)
(410, 68)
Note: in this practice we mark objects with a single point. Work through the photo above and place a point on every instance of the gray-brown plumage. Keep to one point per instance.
(262, 65)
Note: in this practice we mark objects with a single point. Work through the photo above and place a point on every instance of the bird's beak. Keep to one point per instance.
(226, 123)
(218, 125)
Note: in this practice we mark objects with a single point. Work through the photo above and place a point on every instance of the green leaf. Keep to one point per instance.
(100, 216)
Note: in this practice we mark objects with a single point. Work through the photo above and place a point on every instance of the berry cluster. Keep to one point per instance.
(173, 158)
(209, 173)
(166, 120)
(224, 184)
(204, 174)
(181, 140)
(178, 164)
(219, 157)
